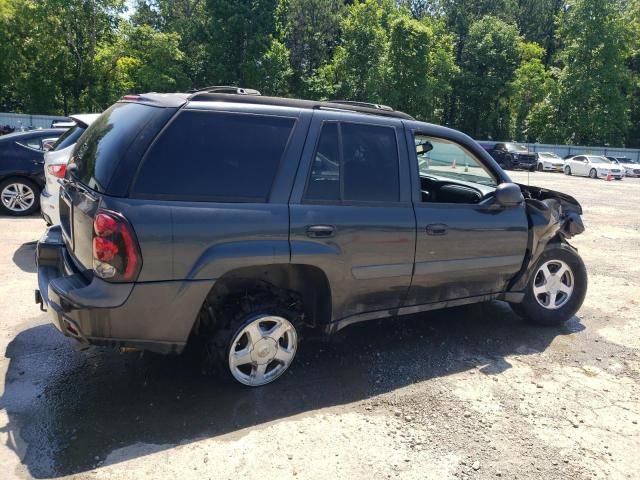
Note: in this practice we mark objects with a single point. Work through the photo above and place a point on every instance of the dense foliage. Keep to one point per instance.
(534, 70)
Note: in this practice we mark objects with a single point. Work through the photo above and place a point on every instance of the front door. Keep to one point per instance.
(466, 245)
(351, 212)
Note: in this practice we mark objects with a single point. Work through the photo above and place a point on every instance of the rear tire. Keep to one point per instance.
(540, 168)
(19, 197)
(546, 301)
(252, 337)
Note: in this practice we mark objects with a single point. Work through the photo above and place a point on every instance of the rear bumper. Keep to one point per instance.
(156, 316)
(617, 176)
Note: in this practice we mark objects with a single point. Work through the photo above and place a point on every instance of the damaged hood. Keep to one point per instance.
(569, 204)
(554, 212)
(551, 215)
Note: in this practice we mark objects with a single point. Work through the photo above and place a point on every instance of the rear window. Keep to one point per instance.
(105, 143)
(225, 157)
(70, 137)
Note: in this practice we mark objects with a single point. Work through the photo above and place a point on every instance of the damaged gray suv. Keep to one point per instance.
(230, 222)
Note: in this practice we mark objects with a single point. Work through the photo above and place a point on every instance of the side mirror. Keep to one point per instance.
(508, 195)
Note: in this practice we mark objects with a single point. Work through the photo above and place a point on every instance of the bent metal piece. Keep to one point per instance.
(551, 215)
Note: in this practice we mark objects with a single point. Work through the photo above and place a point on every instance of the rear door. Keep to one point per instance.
(579, 165)
(351, 214)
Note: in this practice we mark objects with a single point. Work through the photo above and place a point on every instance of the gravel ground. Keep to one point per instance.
(464, 393)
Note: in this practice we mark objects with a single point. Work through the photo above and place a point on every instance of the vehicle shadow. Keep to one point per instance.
(24, 256)
(69, 410)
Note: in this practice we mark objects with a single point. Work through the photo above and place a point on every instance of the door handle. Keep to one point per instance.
(437, 229)
(321, 231)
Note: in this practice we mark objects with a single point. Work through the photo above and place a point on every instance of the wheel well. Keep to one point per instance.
(308, 281)
(21, 177)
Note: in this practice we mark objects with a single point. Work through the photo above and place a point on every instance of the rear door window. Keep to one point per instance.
(355, 163)
(215, 156)
(31, 142)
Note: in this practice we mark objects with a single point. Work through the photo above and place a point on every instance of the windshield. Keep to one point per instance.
(629, 160)
(599, 160)
(550, 155)
(517, 147)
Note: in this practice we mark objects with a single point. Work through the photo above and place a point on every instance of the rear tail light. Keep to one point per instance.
(116, 256)
(57, 170)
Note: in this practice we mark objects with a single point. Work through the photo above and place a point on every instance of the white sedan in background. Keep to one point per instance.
(55, 166)
(549, 162)
(630, 167)
(593, 166)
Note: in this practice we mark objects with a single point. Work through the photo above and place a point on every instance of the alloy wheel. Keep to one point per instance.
(553, 284)
(17, 197)
(262, 350)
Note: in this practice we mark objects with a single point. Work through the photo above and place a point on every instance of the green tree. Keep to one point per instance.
(142, 60)
(632, 19)
(357, 69)
(530, 86)
(537, 22)
(187, 18)
(240, 33)
(420, 66)
(275, 70)
(309, 29)
(8, 58)
(55, 45)
(488, 64)
(594, 82)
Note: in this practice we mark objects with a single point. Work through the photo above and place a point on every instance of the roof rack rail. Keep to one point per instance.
(375, 106)
(226, 89)
(359, 107)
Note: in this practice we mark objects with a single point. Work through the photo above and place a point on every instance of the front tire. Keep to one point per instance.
(253, 337)
(540, 167)
(19, 197)
(567, 170)
(556, 289)
(593, 173)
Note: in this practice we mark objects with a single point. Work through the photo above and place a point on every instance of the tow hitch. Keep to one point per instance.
(39, 301)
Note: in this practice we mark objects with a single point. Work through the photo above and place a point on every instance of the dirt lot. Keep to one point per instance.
(465, 393)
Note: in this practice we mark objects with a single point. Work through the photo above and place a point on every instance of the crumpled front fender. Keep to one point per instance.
(553, 216)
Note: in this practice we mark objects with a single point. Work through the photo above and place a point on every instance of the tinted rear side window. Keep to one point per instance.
(370, 163)
(355, 162)
(215, 156)
(106, 141)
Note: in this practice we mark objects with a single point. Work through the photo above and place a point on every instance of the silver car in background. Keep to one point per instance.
(55, 166)
(549, 162)
(593, 166)
(630, 167)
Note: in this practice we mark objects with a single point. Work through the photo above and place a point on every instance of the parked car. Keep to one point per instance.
(630, 167)
(593, 166)
(512, 155)
(55, 166)
(21, 171)
(232, 223)
(549, 162)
